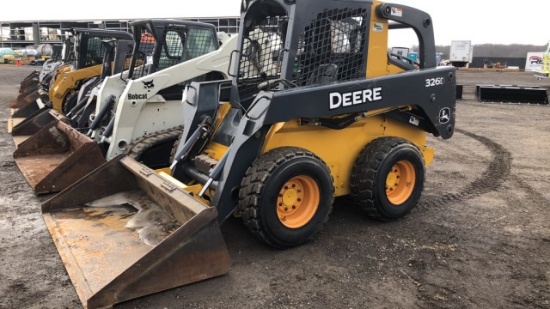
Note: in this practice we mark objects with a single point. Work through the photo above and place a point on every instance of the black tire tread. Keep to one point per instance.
(140, 145)
(254, 183)
(70, 99)
(364, 173)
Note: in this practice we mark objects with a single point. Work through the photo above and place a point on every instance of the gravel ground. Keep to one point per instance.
(479, 238)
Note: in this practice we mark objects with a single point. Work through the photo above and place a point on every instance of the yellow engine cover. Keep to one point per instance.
(67, 81)
(340, 148)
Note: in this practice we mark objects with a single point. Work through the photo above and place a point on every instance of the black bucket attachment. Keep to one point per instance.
(56, 156)
(34, 74)
(511, 94)
(29, 83)
(124, 232)
(19, 114)
(32, 121)
(27, 97)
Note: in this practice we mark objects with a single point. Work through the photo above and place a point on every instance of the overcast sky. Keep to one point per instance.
(481, 21)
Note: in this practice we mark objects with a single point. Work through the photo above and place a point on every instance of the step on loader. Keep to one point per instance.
(329, 112)
(87, 64)
(137, 111)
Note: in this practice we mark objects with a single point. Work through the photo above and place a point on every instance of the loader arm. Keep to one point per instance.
(138, 107)
(69, 81)
(433, 95)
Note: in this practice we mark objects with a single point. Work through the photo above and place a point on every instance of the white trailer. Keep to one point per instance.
(461, 53)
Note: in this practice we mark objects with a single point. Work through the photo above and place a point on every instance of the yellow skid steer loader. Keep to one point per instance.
(116, 52)
(88, 62)
(329, 112)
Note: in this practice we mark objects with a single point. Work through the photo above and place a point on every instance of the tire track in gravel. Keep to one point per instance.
(426, 266)
(491, 179)
(532, 193)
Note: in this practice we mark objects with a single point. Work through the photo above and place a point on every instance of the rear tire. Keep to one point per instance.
(286, 196)
(387, 178)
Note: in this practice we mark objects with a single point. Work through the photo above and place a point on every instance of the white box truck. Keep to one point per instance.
(461, 53)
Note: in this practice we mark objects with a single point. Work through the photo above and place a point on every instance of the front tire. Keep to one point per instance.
(154, 149)
(69, 103)
(286, 196)
(388, 178)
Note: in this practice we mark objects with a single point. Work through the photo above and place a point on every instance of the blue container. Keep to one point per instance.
(413, 56)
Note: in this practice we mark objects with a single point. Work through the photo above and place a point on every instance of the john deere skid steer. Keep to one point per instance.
(137, 111)
(327, 113)
(87, 64)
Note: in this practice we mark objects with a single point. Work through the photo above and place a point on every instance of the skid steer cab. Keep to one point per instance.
(34, 89)
(136, 111)
(43, 79)
(84, 70)
(37, 78)
(316, 108)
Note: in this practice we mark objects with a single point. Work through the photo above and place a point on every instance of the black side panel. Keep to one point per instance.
(433, 91)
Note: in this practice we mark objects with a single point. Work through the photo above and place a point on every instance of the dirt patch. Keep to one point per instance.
(480, 236)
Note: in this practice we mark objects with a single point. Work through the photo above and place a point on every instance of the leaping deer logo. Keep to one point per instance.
(444, 115)
(148, 85)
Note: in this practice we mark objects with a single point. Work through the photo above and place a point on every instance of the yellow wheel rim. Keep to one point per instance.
(298, 201)
(400, 182)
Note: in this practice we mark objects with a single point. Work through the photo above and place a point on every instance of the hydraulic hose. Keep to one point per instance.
(106, 106)
(78, 106)
(215, 173)
(108, 130)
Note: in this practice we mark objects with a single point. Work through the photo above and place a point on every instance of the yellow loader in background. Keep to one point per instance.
(317, 109)
(137, 111)
(87, 64)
